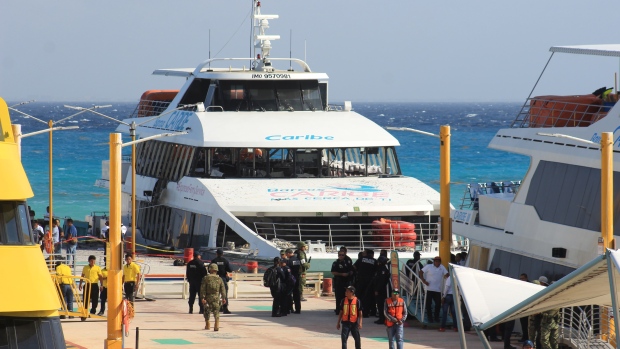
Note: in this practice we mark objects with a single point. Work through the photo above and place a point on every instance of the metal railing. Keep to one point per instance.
(537, 112)
(474, 190)
(587, 327)
(357, 236)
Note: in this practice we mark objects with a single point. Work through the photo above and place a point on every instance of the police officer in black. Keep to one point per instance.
(380, 284)
(223, 268)
(295, 265)
(365, 269)
(194, 273)
(342, 271)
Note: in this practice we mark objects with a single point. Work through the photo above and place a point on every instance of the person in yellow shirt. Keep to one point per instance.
(92, 274)
(65, 285)
(104, 290)
(131, 277)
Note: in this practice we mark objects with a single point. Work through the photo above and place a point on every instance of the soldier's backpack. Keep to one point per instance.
(270, 278)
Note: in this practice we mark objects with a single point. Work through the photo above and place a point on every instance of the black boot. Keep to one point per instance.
(202, 309)
(191, 309)
(226, 311)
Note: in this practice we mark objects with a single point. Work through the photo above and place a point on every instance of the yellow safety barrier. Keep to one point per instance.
(82, 306)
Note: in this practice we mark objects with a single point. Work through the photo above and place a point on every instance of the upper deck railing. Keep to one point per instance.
(561, 111)
(357, 237)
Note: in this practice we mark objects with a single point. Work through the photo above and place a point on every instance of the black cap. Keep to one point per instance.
(395, 290)
(416, 253)
(351, 288)
(219, 251)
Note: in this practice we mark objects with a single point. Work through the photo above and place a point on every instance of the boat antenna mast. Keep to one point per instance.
(261, 40)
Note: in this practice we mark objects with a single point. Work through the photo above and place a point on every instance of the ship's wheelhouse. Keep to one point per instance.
(257, 95)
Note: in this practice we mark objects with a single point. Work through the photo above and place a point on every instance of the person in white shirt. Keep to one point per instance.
(447, 301)
(55, 236)
(38, 232)
(123, 230)
(104, 230)
(432, 276)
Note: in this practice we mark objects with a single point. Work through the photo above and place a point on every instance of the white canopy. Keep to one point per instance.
(612, 50)
(493, 299)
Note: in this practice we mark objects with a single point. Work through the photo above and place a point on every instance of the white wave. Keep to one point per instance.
(470, 115)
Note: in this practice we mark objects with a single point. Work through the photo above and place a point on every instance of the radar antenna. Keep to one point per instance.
(261, 40)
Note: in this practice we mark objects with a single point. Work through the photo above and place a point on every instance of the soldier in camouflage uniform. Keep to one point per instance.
(212, 292)
(549, 329)
(304, 266)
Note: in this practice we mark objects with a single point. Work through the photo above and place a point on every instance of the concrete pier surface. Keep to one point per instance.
(165, 322)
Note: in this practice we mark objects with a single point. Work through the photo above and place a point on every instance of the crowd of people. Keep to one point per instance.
(94, 283)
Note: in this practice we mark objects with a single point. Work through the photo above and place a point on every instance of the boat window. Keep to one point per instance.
(164, 160)
(9, 223)
(196, 92)
(263, 98)
(311, 95)
(273, 95)
(570, 195)
(24, 224)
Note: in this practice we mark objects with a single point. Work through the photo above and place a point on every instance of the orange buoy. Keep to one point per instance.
(252, 267)
(188, 255)
(402, 233)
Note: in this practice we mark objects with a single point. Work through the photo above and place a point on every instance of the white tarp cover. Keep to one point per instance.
(493, 299)
(611, 50)
(487, 295)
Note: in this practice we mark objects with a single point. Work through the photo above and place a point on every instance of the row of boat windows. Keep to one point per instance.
(570, 195)
(260, 95)
(170, 161)
(173, 226)
(295, 163)
(14, 224)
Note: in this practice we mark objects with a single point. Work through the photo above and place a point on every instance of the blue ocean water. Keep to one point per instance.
(77, 154)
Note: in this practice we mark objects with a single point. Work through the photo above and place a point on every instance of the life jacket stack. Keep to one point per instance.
(403, 233)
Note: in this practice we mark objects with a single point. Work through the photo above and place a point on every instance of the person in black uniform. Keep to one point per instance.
(286, 288)
(365, 269)
(223, 268)
(414, 264)
(342, 271)
(380, 284)
(295, 265)
(194, 273)
(347, 259)
(276, 290)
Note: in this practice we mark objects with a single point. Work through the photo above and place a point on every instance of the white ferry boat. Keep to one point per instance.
(549, 223)
(267, 162)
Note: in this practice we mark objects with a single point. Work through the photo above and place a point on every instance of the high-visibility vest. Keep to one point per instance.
(395, 309)
(349, 311)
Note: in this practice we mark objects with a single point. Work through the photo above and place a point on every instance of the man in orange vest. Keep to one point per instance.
(395, 312)
(350, 317)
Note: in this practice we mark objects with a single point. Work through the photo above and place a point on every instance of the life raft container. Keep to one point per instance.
(564, 111)
(403, 233)
(154, 102)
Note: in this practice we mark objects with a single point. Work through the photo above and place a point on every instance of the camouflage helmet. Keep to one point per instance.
(301, 244)
(213, 266)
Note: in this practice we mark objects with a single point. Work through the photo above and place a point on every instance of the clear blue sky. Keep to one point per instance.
(405, 51)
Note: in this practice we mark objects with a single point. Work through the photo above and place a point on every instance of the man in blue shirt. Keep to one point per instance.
(71, 237)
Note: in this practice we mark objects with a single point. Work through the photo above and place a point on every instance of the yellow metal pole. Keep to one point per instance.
(51, 202)
(133, 192)
(444, 195)
(114, 339)
(607, 190)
